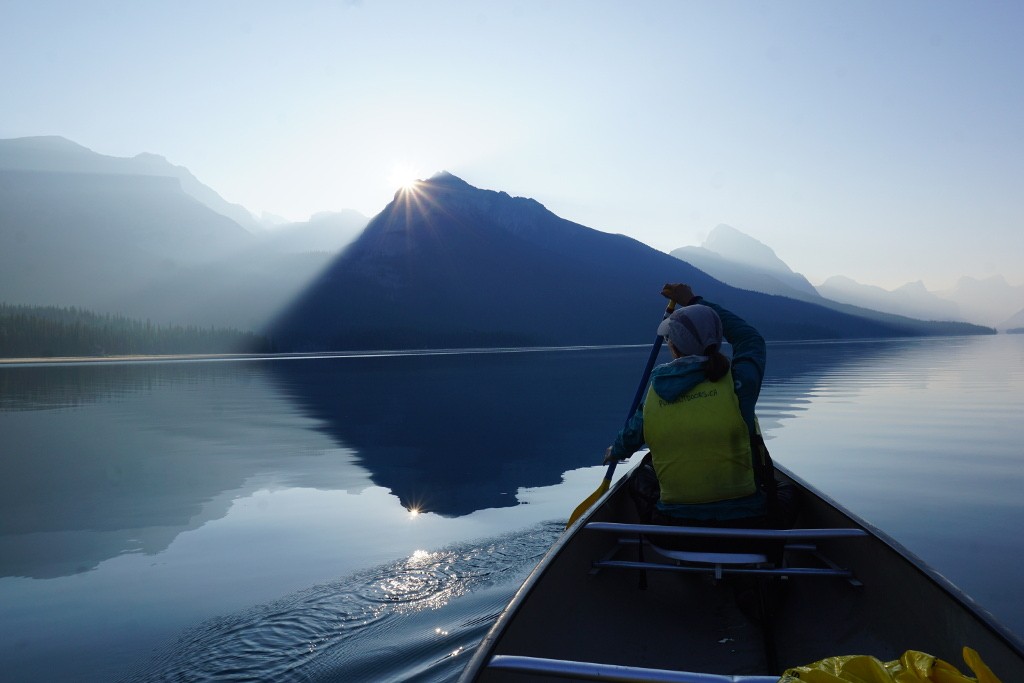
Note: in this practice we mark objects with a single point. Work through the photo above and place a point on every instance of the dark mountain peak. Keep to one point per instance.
(445, 181)
(448, 179)
(440, 184)
(435, 215)
(446, 199)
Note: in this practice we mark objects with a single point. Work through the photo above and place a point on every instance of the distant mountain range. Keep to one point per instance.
(326, 232)
(742, 261)
(445, 264)
(738, 259)
(990, 301)
(448, 264)
(144, 238)
(912, 299)
(56, 154)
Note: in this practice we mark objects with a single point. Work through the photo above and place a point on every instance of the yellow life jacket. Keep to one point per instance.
(700, 444)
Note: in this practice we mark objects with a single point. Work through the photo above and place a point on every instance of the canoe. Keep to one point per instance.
(615, 600)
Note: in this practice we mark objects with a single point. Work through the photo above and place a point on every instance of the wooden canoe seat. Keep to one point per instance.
(718, 563)
(590, 671)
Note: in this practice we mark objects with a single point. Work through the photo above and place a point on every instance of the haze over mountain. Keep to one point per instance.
(124, 236)
(1016, 321)
(329, 231)
(742, 261)
(56, 154)
(990, 301)
(448, 264)
(91, 239)
(445, 264)
(912, 299)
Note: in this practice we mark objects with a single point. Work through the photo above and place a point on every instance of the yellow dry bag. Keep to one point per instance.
(912, 667)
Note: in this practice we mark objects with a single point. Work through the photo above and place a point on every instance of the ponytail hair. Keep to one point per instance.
(717, 364)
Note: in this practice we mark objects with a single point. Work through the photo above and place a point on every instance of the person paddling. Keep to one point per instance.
(707, 463)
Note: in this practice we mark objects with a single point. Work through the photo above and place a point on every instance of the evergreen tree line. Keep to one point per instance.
(51, 331)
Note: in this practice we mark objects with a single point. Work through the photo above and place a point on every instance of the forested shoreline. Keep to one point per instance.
(52, 331)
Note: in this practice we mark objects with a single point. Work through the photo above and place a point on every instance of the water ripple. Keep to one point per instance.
(408, 620)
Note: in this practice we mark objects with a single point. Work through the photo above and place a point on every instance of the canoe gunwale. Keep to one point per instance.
(489, 645)
(588, 671)
(1009, 638)
(484, 650)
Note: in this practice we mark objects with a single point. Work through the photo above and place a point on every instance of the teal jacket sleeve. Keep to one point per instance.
(631, 438)
(749, 355)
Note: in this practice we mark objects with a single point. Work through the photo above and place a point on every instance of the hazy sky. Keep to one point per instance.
(875, 139)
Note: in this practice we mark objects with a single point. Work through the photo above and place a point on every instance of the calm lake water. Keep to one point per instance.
(365, 518)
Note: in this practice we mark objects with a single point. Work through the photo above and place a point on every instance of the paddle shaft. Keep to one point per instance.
(606, 482)
(642, 387)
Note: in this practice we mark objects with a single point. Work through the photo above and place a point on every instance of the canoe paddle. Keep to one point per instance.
(607, 481)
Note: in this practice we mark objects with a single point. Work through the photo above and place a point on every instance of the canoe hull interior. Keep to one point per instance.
(700, 623)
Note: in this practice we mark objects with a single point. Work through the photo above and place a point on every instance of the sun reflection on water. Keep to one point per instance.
(427, 581)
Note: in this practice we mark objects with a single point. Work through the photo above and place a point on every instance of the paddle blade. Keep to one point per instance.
(589, 502)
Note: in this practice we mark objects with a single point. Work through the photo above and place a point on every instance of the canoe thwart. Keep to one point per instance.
(727, 533)
(590, 671)
(719, 569)
(720, 563)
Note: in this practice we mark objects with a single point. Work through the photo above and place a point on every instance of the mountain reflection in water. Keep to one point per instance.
(107, 458)
(142, 502)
